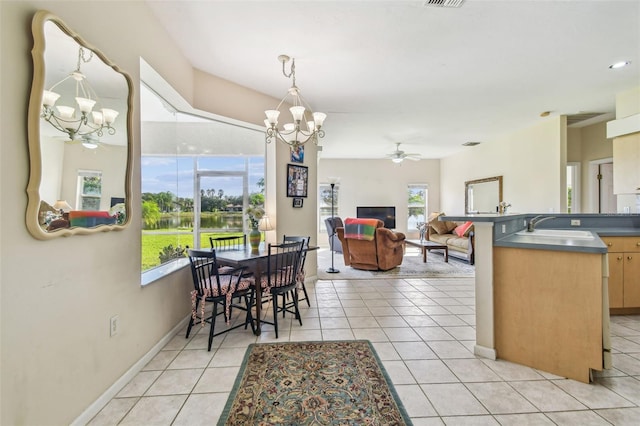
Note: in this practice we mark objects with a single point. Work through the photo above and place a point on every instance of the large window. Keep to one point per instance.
(198, 176)
(573, 187)
(417, 205)
(89, 190)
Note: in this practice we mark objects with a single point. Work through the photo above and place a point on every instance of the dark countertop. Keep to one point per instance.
(594, 245)
(608, 225)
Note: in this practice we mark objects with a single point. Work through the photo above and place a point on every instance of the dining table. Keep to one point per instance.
(255, 261)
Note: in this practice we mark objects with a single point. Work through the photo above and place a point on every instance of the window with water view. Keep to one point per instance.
(198, 177)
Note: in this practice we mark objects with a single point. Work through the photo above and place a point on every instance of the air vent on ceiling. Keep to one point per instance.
(443, 3)
(583, 116)
(471, 143)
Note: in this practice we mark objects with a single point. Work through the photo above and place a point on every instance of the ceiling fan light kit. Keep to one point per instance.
(398, 156)
(306, 125)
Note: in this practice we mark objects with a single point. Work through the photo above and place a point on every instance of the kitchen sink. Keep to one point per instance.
(558, 233)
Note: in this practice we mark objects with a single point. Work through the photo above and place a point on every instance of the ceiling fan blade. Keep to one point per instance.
(408, 157)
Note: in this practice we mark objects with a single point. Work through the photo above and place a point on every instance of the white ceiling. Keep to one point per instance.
(432, 78)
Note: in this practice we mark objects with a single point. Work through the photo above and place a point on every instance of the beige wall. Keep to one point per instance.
(530, 161)
(380, 183)
(57, 296)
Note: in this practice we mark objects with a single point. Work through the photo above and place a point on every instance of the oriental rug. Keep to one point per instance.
(313, 383)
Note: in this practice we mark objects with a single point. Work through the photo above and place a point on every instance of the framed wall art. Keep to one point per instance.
(297, 203)
(297, 179)
(297, 154)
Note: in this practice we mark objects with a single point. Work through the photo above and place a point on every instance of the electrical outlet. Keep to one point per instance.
(504, 228)
(114, 325)
(575, 222)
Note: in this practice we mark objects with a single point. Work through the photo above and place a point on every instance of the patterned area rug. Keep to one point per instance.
(411, 267)
(313, 383)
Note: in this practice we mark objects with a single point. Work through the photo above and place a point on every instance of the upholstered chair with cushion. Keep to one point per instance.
(367, 244)
(332, 225)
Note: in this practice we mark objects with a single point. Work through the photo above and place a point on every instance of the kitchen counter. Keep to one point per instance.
(525, 279)
(506, 228)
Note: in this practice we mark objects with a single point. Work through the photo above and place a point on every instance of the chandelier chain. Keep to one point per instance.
(81, 57)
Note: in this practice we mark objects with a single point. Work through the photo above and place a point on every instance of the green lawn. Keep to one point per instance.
(152, 244)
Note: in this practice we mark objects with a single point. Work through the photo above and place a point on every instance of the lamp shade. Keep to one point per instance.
(265, 224)
(62, 205)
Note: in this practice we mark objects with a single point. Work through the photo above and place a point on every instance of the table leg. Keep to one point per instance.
(424, 254)
(446, 254)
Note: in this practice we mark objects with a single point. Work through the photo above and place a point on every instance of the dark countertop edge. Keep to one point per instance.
(551, 247)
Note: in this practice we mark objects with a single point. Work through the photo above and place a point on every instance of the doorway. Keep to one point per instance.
(220, 201)
(603, 200)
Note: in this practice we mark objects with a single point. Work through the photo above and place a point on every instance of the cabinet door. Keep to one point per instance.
(614, 244)
(631, 280)
(631, 244)
(616, 293)
(626, 164)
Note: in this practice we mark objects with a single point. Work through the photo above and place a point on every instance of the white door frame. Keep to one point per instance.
(593, 184)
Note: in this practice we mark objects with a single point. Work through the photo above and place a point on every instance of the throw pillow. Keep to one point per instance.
(462, 229)
(434, 216)
(451, 226)
(439, 226)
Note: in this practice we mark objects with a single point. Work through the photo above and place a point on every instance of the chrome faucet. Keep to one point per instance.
(536, 220)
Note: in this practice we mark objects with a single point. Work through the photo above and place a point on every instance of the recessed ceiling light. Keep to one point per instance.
(620, 64)
(471, 143)
(545, 113)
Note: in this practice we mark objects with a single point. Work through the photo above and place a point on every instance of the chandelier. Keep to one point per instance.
(65, 119)
(302, 129)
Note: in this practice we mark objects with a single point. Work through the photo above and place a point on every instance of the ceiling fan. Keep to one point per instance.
(87, 141)
(398, 156)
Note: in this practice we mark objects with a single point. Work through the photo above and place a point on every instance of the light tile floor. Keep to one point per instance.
(423, 330)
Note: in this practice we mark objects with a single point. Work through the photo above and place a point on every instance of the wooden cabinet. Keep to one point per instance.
(624, 271)
(548, 310)
(626, 164)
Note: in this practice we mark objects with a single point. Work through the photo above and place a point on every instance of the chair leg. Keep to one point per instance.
(213, 323)
(306, 296)
(274, 300)
(191, 320)
(285, 296)
(249, 317)
(295, 305)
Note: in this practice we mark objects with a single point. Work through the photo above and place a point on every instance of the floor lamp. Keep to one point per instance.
(332, 270)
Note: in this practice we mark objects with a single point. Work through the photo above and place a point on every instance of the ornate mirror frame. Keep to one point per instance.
(34, 212)
(469, 183)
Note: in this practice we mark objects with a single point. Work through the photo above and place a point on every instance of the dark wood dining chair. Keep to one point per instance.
(218, 288)
(281, 278)
(228, 242)
(301, 271)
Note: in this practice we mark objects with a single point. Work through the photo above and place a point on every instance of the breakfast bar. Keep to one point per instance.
(542, 296)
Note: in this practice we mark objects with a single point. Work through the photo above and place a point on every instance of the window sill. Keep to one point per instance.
(162, 271)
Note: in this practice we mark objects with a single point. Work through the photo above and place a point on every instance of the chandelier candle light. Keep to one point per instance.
(302, 130)
(65, 119)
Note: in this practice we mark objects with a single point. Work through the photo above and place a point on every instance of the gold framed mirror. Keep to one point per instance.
(482, 195)
(80, 131)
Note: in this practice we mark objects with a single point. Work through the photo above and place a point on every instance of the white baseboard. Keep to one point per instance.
(91, 411)
(485, 352)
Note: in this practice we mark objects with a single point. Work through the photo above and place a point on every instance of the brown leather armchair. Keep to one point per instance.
(384, 252)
